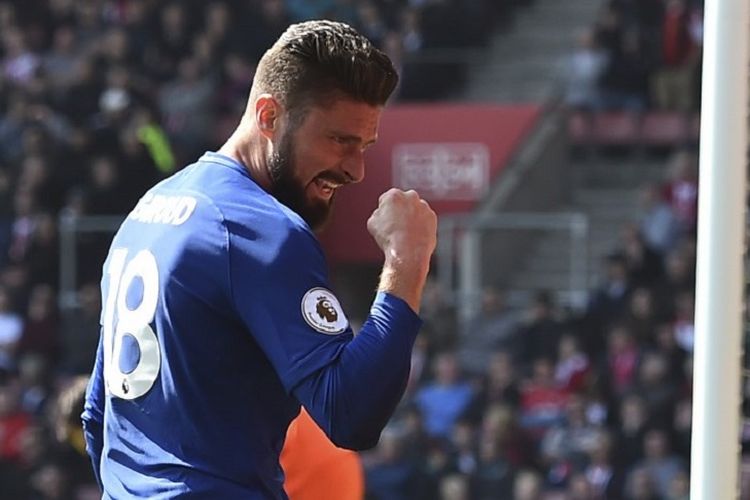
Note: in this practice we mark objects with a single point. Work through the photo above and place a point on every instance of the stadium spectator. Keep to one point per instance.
(493, 328)
(640, 317)
(682, 427)
(681, 189)
(633, 420)
(446, 398)
(13, 422)
(412, 433)
(583, 72)
(265, 22)
(643, 263)
(528, 485)
(102, 197)
(679, 276)
(624, 83)
(35, 379)
(573, 368)
(500, 383)
(542, 400)
(606, 304)
(463, 447)
(609, 27)
(186, 105)
(623, 357)
(640, 486)
(391, 475)
(494, 475)
(440, 325)
(673, 83)
(11, 329)
(501, 425)
(684, 320)
(40, 332)
(658, 225)
(656, 388)
(679, 488)
(539, 334)
(371, 22)
(604, 475)
(19, 63)
(661, 465)
(579, 488)
(565, 446)
(60, 63)
(676, 356)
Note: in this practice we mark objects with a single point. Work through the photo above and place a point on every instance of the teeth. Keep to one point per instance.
(328, 185)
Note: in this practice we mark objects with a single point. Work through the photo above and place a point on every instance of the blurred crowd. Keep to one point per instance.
(549, 403)
(639, 55)
(98, 100)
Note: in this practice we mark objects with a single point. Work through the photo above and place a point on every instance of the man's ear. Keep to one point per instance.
(267, 115)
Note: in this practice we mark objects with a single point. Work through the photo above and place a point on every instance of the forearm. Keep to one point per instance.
(353, 398)
(405, 279)
(405, 228)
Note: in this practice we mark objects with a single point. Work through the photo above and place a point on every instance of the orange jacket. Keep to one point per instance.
(315, 468)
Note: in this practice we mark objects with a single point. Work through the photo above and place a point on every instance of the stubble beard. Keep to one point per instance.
(290, 191)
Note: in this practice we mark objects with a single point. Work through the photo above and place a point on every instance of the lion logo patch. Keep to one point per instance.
(326, 310)
(322, 311)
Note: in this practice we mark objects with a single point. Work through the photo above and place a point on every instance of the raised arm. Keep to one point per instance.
(350, 386)
(353, 398)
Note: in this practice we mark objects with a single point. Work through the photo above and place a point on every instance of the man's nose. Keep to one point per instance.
(354, 166)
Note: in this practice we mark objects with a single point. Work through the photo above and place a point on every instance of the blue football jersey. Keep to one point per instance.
(217, 321)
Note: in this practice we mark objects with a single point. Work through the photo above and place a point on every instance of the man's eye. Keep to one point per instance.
(339, 140)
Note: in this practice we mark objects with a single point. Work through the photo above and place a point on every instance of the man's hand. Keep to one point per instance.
(405, 228)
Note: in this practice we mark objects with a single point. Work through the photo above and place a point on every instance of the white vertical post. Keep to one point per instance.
(721, 227)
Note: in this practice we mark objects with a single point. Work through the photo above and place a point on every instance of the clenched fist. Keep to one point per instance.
(405, 228)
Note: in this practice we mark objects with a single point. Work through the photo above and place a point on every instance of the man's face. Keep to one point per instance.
(325, 152)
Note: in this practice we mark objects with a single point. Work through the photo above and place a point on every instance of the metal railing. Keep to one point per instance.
(70, 227)
(461, 265)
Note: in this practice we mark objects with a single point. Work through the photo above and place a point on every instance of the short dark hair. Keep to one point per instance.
(315, 62)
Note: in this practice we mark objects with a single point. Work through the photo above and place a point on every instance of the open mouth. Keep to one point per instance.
(325, 187)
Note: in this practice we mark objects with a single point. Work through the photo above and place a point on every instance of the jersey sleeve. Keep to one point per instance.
(273, 278)
(93, 414)
(349, 385)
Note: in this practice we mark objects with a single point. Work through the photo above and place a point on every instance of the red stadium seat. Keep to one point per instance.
(664, 129)
(616, 128)
(580, 128)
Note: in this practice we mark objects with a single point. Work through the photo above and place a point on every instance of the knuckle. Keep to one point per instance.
(393, 195)
(386, 195)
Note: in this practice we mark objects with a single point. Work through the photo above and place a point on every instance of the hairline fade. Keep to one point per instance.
(314, 63)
